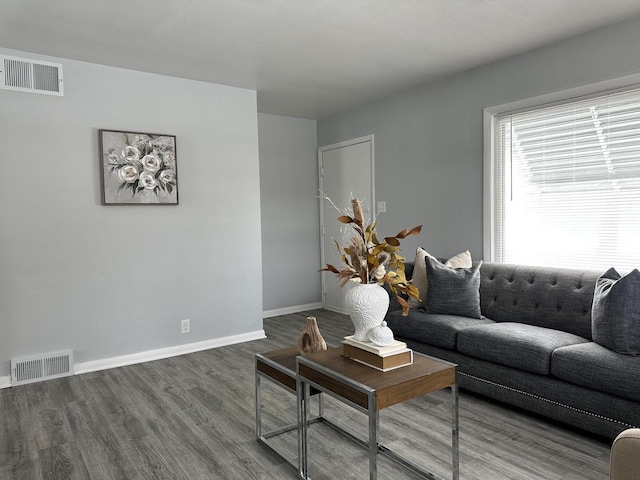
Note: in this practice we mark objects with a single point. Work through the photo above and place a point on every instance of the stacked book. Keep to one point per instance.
(385, 358)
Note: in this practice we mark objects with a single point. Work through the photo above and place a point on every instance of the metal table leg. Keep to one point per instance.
(374, 423)
(455, 440)
(258, 407)
(302, 393)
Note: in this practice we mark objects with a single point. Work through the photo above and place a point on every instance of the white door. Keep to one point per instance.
(346, 170)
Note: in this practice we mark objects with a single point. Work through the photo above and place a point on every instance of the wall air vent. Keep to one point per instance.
(35, 76)
(42, 367)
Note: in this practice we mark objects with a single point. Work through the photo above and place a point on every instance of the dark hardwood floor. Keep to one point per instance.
(192, 417)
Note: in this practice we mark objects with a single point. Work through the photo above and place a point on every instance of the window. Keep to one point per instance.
(567, 185)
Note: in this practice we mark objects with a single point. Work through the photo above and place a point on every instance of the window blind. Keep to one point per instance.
(568, 184)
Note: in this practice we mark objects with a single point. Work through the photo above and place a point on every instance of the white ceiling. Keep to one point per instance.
(306, 58)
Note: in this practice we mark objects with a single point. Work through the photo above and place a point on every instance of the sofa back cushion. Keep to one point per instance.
(615, 314)
(557, 298)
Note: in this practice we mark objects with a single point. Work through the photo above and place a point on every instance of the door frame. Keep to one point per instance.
(321, 150)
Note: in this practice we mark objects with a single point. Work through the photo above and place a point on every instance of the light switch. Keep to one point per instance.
(382, 207)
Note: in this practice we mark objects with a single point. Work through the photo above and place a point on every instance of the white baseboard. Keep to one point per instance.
(337, 310)
(150, 355)
(293, 309)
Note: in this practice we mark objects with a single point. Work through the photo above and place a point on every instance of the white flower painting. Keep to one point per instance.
(138, 168)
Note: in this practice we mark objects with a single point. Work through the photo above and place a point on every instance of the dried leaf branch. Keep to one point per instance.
(367, 260)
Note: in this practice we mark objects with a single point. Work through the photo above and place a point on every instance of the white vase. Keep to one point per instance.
(367, 304)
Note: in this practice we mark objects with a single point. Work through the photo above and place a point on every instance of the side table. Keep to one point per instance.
(279, 367)
(369, 390)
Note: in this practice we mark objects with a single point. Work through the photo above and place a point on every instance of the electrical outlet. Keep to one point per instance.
(186, 326)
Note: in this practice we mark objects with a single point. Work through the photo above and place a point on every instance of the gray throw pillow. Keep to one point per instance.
(615, 314)
(453, 291)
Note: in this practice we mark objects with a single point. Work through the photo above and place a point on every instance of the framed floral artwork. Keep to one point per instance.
(138, 168)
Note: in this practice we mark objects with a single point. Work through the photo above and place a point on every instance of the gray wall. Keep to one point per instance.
(429, 144)
(116, 280)
(290, 218)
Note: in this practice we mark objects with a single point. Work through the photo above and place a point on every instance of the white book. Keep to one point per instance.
(386, 369)
(396, 347)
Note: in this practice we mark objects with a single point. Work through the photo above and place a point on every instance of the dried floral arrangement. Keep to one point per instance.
(367, 260)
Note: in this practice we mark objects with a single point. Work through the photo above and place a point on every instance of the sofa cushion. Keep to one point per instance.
(557, 298)
(615, 315)
(419, 273)
(419, 278)
(432, 329)
(453, 291)
(516, 345)
(594, 366)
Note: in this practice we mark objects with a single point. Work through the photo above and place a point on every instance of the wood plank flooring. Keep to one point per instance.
(192, 417)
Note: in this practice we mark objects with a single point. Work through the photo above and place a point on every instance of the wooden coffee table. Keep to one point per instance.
(369, 391)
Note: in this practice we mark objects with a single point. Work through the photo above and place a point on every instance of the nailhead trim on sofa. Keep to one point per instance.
(538, 397)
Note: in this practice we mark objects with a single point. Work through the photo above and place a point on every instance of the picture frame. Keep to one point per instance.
(138, 168)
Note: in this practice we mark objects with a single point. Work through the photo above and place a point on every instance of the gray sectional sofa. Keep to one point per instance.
(532, 347)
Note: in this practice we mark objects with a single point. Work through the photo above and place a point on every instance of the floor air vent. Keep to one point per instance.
(43, 367)
(24, 75)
